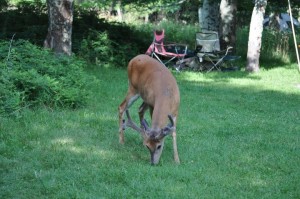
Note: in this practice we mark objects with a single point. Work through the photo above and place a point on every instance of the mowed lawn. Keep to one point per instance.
(238, 137)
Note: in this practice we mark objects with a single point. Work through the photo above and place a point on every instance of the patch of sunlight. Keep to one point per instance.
(247, 159)
(69, 124)
(194, 77)
(75, 149)
(104, 154)
(40, 127)
(178, 188)
(258, 182)
(272, 85)
(101, 116)
(278, 79)
(68, 144)
(63, 141)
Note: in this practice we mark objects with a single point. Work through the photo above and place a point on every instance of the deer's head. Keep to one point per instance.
(153, 138)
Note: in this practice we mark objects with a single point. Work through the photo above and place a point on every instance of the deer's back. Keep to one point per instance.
(152, 80)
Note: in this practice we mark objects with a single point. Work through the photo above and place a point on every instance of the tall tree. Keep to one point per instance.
(60, 14)
(255, 35)
(228, 10)
(209, 15)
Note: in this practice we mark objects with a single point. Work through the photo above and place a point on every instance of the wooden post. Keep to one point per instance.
(295, 40)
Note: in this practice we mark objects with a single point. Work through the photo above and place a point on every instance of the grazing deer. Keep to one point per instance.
(157, 87)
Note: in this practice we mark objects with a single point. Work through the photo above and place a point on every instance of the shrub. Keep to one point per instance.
(277, 47)
(280, 50)
(96, 47)
(99, 47)
(31, 76)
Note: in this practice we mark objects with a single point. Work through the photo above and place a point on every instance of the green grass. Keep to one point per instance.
(238, 137)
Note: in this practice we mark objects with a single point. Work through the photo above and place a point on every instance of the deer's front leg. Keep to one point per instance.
(176, 156)
(175, 150)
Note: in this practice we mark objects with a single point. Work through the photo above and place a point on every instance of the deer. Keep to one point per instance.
(153, 82)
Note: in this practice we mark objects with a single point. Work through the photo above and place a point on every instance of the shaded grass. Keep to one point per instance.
(238, 137)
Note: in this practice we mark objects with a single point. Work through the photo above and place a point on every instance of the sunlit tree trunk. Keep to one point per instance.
(209, 15)
(60, 14)
(255, 35)
(120, 11)
(228, 23)
(146, 18)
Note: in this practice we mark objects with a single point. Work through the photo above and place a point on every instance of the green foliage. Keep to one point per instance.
(27, 20)
(10, 99)
(279, 50)
(3, 4)
(129, 40)
(189, 11)
(277, 47)
(96, 46)
(31, 76)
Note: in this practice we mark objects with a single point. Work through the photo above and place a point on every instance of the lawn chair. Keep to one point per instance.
(166, 52)
(209, 53)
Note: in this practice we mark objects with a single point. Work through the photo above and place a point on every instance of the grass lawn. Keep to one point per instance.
(238, 137)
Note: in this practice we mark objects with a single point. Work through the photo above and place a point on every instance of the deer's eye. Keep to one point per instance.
(158, 147)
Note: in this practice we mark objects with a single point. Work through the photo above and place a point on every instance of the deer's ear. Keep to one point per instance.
(167, 130)
(170, 128)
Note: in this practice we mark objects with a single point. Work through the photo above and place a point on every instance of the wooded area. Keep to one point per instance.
(223, 16)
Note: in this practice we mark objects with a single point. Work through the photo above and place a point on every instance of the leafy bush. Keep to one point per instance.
(31, 76)
(278, 49)
(96, 47)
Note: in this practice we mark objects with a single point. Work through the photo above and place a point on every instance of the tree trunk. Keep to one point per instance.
(120, 11)
(228, 23)
(255, 35)
(209, 15)
(60, 14)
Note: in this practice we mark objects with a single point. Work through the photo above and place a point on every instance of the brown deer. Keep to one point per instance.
(154, 83)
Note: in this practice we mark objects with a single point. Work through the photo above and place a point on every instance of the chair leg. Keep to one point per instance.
(216, 64)
(153, 54)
